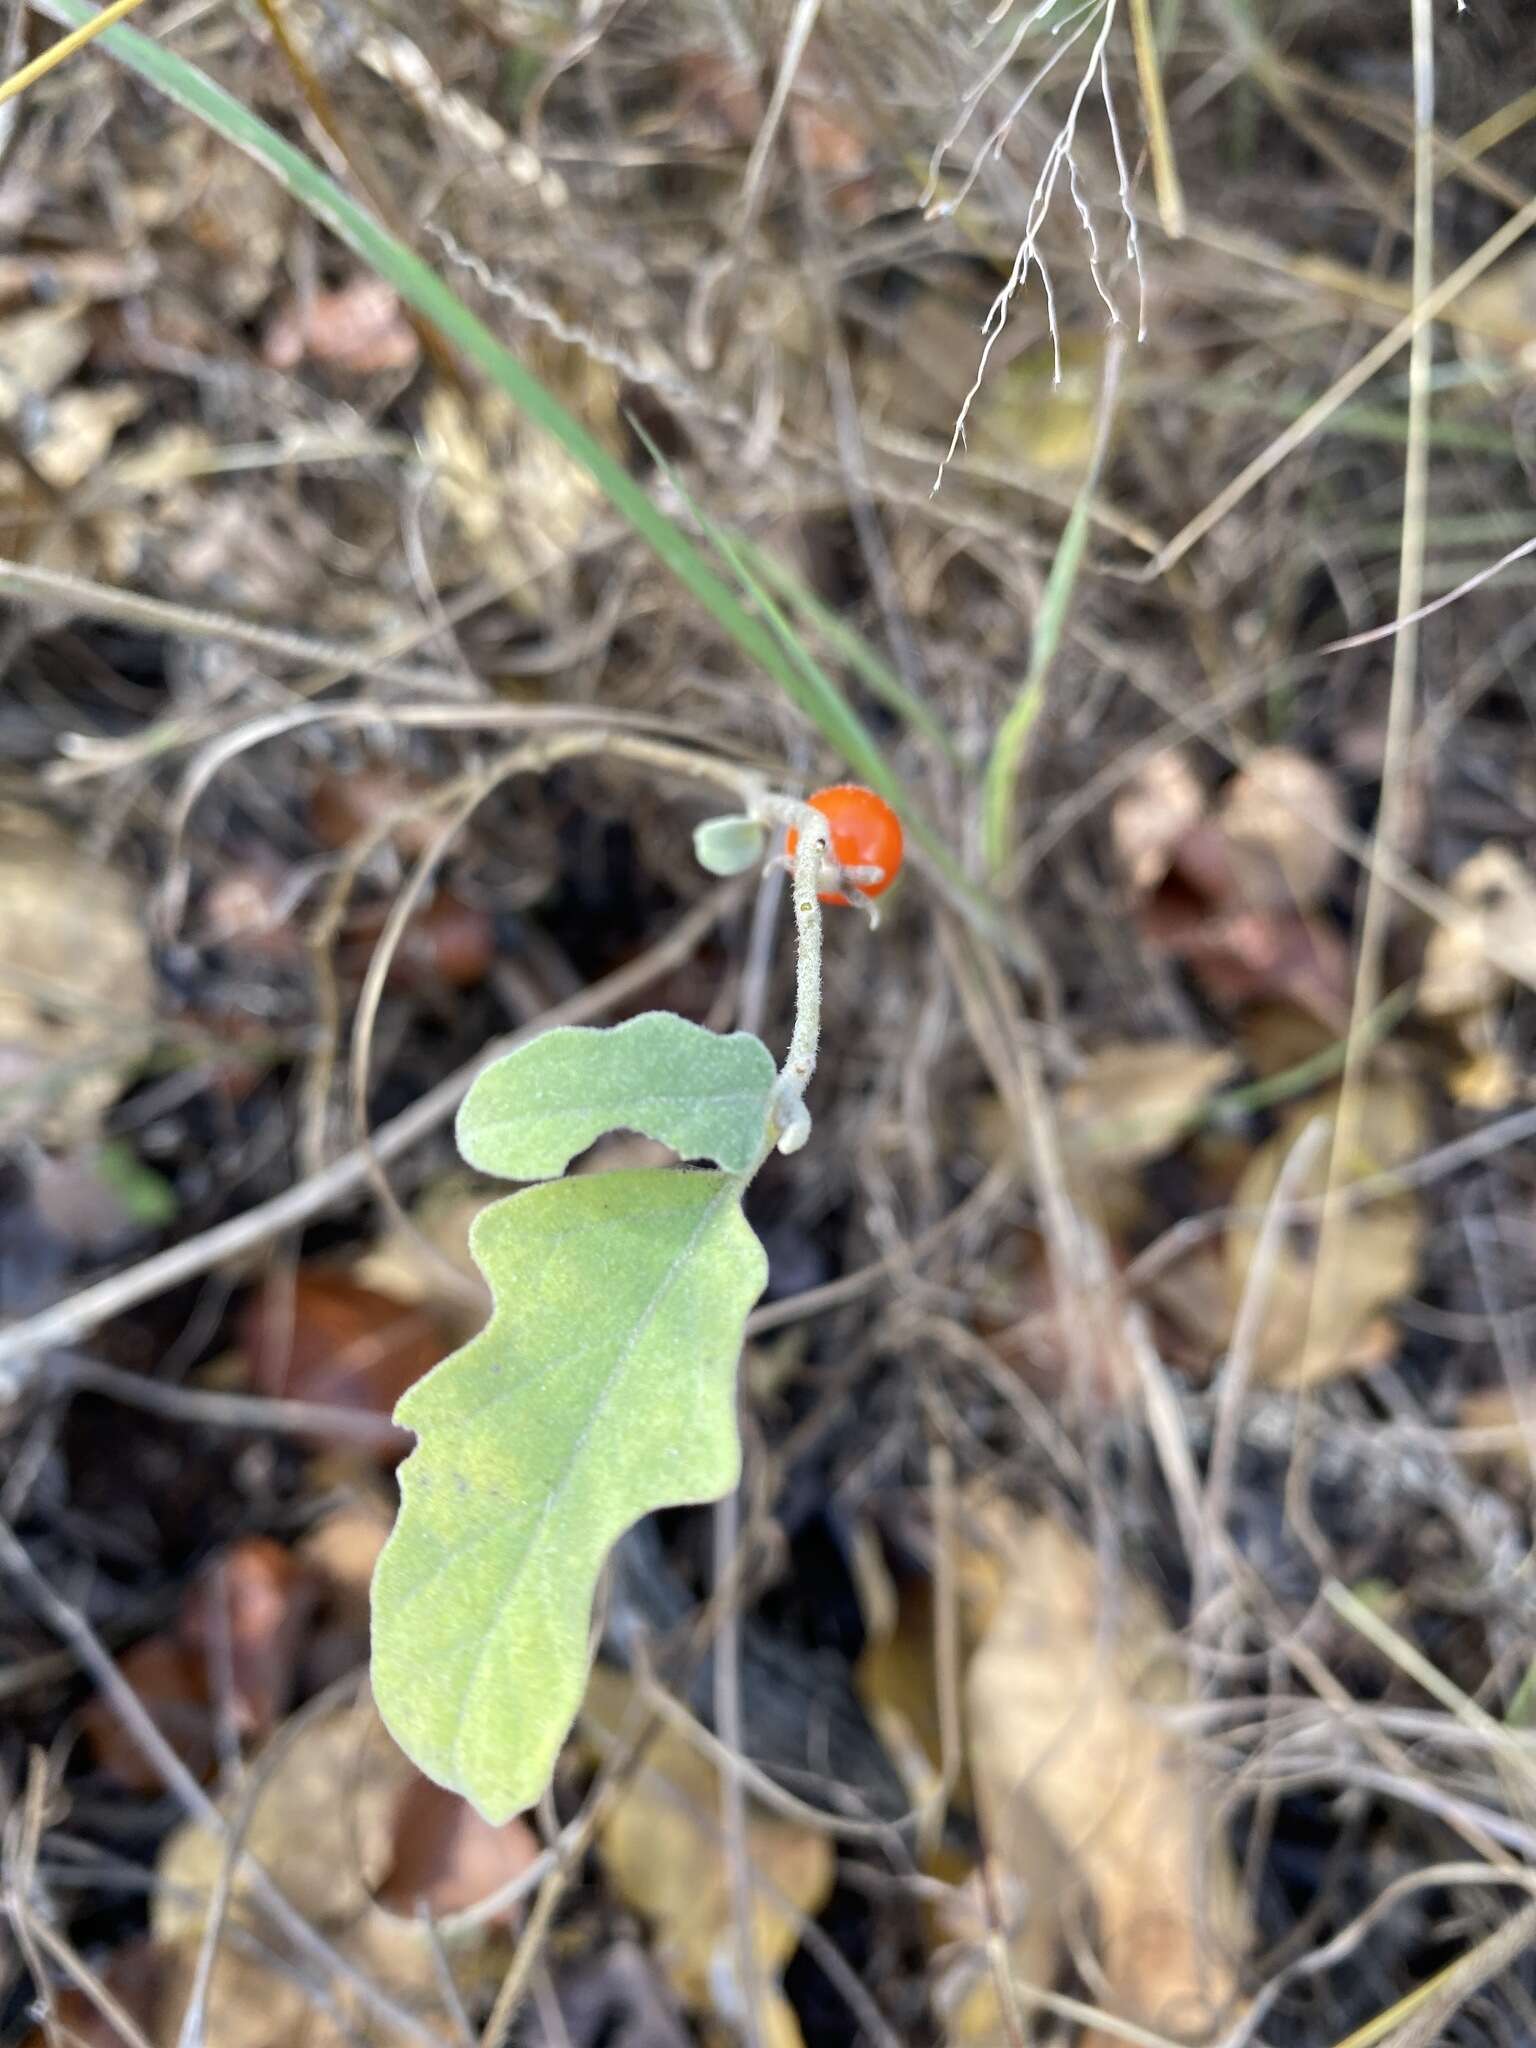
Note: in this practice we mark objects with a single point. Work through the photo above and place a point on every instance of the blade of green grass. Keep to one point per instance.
(423, 290)
(1003, 764)
(877, 675)
(815, 691)
(420, 287)
(808, 683)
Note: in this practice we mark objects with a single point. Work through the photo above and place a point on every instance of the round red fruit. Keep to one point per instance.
(866, 833)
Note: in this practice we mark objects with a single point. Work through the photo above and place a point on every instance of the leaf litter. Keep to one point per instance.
(231, 418)
(1096, 1812)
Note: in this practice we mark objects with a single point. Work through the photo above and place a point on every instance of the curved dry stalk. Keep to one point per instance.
(25, 1345)
(71, 1625)
(1059, 156)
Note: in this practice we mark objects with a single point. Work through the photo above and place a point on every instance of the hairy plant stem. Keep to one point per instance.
(800, 1061)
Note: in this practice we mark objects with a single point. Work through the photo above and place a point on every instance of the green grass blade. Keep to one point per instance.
(808, 685)
(877, 675)
(1003, 764)
(419, 286)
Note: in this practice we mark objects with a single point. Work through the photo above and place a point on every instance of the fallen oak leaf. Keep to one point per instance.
(251, 1608)
(664, 1852)
(1282, 817)
(171, 1681)
(1461, 979)
(1320, 1320)
(77, 992)
(1152, 816)
(1244, 956)
(1077, 1771)
(447, 1857)
(320, 1811)
(361, 327)
(1132, 1102)
(234, 1648)
(321, 1337)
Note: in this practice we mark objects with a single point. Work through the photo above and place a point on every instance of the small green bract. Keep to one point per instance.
(729, 846)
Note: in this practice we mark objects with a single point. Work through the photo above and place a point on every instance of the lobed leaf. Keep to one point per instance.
(707, 1096)
(602, 1388)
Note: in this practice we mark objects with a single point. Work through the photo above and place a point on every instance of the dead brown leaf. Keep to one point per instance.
(360, 328)
(1281, 815)
(1497, 893)
(324, 1825)
(1496, 316)
(233, 1651)
(1091, 1803)
(1244, 956)
(664, 1852)
(828, 127)
(1131, 1102)
(40, 349)
(447, 1856)
(1194, 1306)
(447, 944)
(1311, 1331)
(339, 1554)
(76, 986)
(1234, 893)
(345, 806)
(1151, 816)
(898, 1681)
(1489, 1082)
(519, 502)
(319, 1336)
(418, 1264)
(171, 1681)
(246, 1619)
(239, 223)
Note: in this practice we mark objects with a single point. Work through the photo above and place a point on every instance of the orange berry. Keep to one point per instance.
(866, 833)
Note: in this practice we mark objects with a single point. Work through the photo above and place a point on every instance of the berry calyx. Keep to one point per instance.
(866, 834)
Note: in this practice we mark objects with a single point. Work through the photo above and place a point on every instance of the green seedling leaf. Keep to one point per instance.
(541, 1442)
(729, 846)
(707, 1096)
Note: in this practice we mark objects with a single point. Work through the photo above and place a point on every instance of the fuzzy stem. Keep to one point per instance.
(813, 846)
(801, 1063)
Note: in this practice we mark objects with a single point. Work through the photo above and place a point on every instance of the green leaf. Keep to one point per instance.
(540, 1443)
(707, 1096)
(729, 846)
(850, 645)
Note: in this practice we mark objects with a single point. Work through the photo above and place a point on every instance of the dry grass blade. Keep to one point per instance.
(1329, 1280)
(25, 1345)
(1429, 308)
(427, 295)
(1154, 107)
(65, 48)
(1419, 2019)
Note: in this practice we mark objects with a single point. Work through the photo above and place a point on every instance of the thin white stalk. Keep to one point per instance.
(805, 1040)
